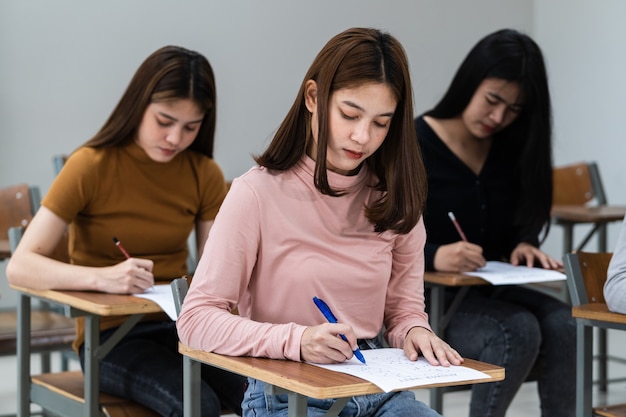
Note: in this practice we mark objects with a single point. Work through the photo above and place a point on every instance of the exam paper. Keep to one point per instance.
(502, 273)
(163, 296)
(391, 370)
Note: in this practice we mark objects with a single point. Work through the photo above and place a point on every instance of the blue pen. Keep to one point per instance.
(323, 307)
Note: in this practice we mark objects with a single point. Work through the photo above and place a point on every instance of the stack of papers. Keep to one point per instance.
(502, 273)
(391, 370)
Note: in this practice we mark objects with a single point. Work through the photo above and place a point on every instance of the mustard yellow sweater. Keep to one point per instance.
(151, 207)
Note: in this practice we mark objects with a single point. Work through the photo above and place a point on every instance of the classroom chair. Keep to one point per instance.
(50, 331)
(71, 383)
(18, 204)
(586, 275)
(579, 200)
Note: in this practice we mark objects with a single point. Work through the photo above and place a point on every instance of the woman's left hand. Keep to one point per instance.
(434, 350)
(525, 253)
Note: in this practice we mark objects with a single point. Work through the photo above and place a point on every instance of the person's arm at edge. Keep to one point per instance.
(615, 285)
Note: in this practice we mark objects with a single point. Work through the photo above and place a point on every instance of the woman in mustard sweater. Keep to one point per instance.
(148, 178)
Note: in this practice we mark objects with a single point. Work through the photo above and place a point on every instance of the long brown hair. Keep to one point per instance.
(352, 58)
(169, 73)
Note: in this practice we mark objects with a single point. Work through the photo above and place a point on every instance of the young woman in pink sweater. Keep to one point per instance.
(333, 209)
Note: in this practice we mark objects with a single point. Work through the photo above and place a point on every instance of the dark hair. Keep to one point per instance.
(352, 58)
(513, 56)
(169, 73)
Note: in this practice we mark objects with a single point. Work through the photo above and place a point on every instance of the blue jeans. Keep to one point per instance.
(146, 367)
(258, 404)
(527, 333)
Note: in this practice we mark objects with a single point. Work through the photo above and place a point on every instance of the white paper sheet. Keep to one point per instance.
(391, 370)
(502, 273)
(163, 296)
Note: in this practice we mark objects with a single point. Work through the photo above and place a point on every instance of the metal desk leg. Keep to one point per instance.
(191, 387)
(568, 237)
(436, 315)
(92, 366)
(297, 405)
(23, 355)
(584, 359)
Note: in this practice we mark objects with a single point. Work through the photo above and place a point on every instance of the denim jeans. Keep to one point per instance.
(396, 404)
(521, 330)
(146, 367)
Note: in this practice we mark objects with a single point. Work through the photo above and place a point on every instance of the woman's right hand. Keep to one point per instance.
(459, 257)
(132, 276)
(323, 343)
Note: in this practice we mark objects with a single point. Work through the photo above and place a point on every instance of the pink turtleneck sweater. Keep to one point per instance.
(276, 243)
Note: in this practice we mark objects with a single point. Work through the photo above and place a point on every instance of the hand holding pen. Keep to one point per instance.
(460, 256)
(457, 226)
(136, 274)
(323, 307)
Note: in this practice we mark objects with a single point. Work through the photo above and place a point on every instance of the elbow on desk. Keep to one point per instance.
(16, 274)
(21, 273)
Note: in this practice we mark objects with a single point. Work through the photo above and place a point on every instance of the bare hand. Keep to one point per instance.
(322, 343)
(434, 350)
(527, 254)
(459, 257)
(132, 276)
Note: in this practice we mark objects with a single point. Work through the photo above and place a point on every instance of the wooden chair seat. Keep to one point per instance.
(618, 410)
(71, 385)
(599, 312)
(50, 331)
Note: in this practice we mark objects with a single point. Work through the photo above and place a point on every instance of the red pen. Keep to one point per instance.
(457, 226)
(119, 245)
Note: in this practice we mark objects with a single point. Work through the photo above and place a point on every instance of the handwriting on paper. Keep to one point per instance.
(391, 370)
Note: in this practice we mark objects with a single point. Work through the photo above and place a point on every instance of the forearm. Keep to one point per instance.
(216, 330)
(32, 270)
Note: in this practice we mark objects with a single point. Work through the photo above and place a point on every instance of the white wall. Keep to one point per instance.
(584, 44)
(64, 65)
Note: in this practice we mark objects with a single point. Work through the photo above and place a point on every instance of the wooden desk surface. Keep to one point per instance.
(102, 304)
(584, 214)
(452, 279)
(313, 381)
(597, 311)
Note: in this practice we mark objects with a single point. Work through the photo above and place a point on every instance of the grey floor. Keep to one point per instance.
(526, 403)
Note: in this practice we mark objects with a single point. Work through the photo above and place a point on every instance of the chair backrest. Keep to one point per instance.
(57, 163)
(577, 184)
(18, 205)
(586, 274)
(179, 291)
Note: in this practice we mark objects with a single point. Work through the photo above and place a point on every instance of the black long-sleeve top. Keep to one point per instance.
(484, 204)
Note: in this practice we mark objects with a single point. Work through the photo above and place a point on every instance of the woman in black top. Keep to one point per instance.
(487, 151)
